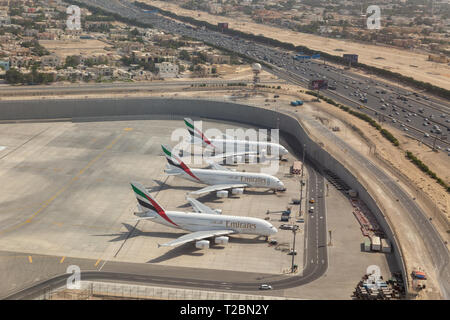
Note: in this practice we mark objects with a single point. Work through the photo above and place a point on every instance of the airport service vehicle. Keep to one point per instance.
(220, 179)
(203, 224)
(220, 145)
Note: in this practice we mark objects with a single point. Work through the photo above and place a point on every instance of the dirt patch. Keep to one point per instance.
(66, 48)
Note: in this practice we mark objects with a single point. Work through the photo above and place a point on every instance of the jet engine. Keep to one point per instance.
(221, 240)
(222, 194)
(218, 211)
(237, 191)
(202, 244)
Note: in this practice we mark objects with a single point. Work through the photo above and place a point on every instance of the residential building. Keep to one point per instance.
(167, 69)
(51, 60)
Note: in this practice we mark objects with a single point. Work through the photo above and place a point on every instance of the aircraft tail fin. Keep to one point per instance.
(144, 199)
(176, 165)
(196, 134)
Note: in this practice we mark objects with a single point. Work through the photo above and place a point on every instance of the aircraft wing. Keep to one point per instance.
(195, 236)
(216, 166)
(218, 187)
(225, 156)
(200, 207)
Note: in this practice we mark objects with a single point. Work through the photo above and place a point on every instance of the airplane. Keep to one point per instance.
(220, 145)
(219, 178)
(203, 224)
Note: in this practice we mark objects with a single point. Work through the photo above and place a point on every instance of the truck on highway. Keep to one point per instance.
(296, 103)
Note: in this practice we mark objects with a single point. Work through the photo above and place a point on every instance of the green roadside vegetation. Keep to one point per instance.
(422, 166)
(385, 133)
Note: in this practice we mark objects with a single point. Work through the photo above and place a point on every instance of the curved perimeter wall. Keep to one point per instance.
(178, 108)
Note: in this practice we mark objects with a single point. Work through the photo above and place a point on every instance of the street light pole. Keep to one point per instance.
(301, 180)
(294, 230)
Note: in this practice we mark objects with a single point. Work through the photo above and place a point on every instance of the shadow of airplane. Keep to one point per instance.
(133, 232)
(185, 249)
(257, 239)
(164, 186)
(255, 192)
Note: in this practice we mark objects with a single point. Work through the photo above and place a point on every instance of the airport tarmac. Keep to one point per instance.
(65, 192)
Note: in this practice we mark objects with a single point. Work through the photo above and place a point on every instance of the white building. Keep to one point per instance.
(5, 20)
(167, 69)
(51, 60)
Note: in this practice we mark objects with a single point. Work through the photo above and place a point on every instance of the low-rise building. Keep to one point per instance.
(4, 65)
(218, 58)
(5, 20)
(167, 69)
(20, 61)
(203, 70)
(52, 60)
(141, 74)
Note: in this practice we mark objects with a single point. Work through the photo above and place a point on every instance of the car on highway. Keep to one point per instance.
(311, 210)
(265, 287)
(311, 200)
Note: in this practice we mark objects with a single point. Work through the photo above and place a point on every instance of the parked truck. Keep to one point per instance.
(376, 243)
(419, 275)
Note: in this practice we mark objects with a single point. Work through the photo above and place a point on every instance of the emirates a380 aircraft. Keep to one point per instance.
(260, 148)
(220, 179)
(202, 224)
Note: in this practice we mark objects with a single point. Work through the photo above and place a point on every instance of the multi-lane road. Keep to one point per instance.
(420, 116)
(149, 86)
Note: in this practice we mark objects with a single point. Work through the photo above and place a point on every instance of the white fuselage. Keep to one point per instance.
(254, 180)
(230, 146)
(191, 221)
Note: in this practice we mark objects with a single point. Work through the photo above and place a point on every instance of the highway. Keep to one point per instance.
(436, 247)
(414, 113)
(158, 86)
(87, 86)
